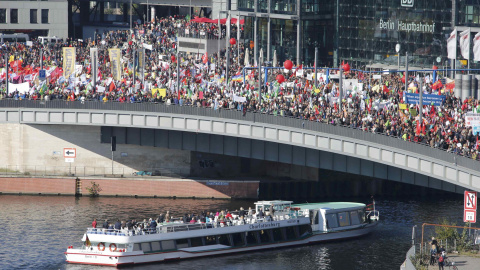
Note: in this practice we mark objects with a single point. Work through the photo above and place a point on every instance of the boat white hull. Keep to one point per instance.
(82, 256)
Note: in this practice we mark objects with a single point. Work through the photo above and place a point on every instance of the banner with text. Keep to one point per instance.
(435, 100)
(68, 61)
(115, 62)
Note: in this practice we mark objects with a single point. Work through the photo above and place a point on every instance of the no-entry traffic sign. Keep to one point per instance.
(470, 200)
(69, 152)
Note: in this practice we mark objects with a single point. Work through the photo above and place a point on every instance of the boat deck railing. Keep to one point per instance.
(180, 226)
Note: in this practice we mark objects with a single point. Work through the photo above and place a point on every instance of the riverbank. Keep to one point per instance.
(159, 187)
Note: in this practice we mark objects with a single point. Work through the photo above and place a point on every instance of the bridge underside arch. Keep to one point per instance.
(281, 160)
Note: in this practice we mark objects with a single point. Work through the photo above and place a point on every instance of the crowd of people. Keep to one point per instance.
(371, 105)
(213, 219)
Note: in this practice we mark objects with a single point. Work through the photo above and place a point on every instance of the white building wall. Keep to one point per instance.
(57, 16)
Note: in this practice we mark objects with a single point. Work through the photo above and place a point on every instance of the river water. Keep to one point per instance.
(36, 230)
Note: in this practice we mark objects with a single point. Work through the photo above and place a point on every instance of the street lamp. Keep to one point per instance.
(397, 49)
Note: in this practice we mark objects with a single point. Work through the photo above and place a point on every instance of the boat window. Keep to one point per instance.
(182, 243)
(136, 247)
(251, 238)
(223, 240)
(305, 230)
(343, 219)
(354, 217)
(332, 221)
(361, 214)
(168, 245)
(155, 246)
(277, 235)
(264, 236)
(196, 242)
(210, 240)
(146, 247)
(290, 233)
(238, 239)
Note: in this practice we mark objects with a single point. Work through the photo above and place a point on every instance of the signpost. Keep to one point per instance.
(470, 207)
(42, 74)
(70, 154)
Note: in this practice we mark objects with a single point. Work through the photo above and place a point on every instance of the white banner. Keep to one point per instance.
(20, 87)
(465, 43)
(452, 45)
(472, 119)
(239, 99)
(476, 47)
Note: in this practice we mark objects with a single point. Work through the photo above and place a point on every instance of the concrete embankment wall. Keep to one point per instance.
(180, 188)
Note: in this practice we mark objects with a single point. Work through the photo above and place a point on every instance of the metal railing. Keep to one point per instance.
(251, 116)
(86, 171)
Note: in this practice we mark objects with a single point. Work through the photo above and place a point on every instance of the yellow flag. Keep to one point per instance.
(11, 59)
(163, 92)
(68, 61)
(115, 63)
(154, 91)
(402, 106)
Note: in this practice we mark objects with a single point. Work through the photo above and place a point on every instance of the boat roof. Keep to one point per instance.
(329, 205)
(275, 202)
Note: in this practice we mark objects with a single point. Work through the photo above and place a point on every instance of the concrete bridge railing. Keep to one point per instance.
(392, 151)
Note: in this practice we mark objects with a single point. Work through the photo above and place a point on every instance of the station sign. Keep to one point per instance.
(42, 74)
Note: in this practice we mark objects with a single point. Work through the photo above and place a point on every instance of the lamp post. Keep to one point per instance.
(131, 12)
(397, 49)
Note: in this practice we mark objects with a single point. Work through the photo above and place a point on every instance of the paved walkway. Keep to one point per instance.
(462, 262)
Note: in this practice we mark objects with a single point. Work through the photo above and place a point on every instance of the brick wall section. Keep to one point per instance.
(131, 187)
(170, 188)
(37, 185)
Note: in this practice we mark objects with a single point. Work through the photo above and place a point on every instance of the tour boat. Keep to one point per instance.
(283, 225)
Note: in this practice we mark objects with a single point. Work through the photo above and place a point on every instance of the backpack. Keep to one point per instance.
(440, 259)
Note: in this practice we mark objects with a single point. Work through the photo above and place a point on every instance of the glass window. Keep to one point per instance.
(332, 221)
(146, 247)
(264, 236)
(210, 240)
(196, 242)
(290, 233)
(155, 246)
(136, 247)
(343, 219)
(304, 230)
(3, 15)
(182, 243)
(361, 214)
(238, 239)
(13, 15)
(354, 218)
(44, 15)
(33, 16)
(251, 238)
(168, 245)
(224, 240)
(277, 235)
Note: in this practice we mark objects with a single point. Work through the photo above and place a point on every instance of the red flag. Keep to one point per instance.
(205, 58)
(418, 128)
(112, 87)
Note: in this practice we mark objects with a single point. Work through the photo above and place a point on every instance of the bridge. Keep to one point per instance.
(256, 136)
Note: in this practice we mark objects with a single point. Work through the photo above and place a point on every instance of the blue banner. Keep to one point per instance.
(436, 100)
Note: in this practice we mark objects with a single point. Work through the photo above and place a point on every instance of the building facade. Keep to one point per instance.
(36, 18)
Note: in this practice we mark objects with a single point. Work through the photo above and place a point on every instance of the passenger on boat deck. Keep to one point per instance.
(242, 220)
(207, 219)
(242, 212)
(129, 225)
(167, 216)
(193, 221)
(94, 223)
(110, 227)
(118, 225)
(153, 224)
(250, 211)
(229, 216)
(260, 213)
(105, 224)
(161, 218)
